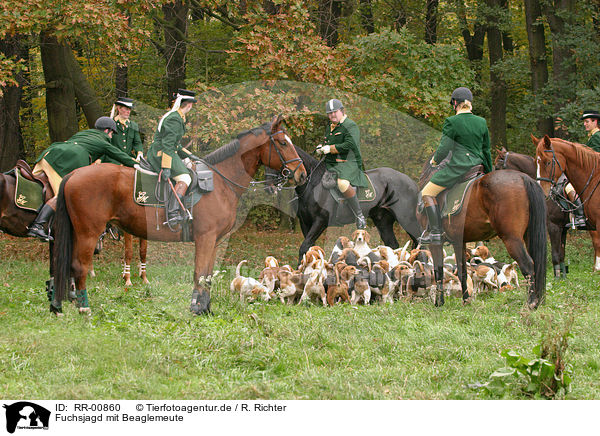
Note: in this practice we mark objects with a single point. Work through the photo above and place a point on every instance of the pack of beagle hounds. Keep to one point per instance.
(356, 273)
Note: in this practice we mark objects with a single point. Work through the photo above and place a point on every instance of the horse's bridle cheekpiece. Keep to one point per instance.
(285, 172)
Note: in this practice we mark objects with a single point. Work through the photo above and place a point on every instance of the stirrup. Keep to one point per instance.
(430, 238)
(361, 222)
(37, 231)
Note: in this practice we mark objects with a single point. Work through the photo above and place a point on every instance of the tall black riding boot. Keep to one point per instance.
(354, 205)
(174, 210)
(579, 220)
(36, 229)
(433, 234)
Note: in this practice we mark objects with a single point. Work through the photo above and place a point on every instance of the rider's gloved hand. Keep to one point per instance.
(324, 149)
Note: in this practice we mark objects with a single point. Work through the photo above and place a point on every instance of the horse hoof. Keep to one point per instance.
(85, 311)
(198, 309)
(56, 309)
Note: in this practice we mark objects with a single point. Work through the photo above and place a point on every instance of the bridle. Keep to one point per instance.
(558, 187)
(284, 173)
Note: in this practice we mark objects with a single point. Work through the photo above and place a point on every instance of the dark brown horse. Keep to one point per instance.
(13, 219)
(92, 196)
(507, 204)
(557, 219)
(581, 165)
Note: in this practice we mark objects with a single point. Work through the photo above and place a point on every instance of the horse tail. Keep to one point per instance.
(63, 244)
(536, 229)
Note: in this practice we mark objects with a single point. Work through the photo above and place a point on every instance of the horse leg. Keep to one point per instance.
(517, 250)
(385, 225)
(461, 266)
(128, 243)
(595, 235)
(205, 250)
(313, 234)
(143, 253)
(407, 219)
(83, 249)
(556, 236)
(438, 262)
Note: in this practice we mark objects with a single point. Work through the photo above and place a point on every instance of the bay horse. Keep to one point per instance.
(109, 189)
(14, 220)
(557, 219)
(396, 201)
(581, 165)
(507, 204)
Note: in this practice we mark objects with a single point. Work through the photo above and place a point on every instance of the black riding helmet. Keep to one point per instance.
(460, 94)
(104, 123)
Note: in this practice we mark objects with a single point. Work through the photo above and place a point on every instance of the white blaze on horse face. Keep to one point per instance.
(537, 164)
(597, 265)
(288, 140)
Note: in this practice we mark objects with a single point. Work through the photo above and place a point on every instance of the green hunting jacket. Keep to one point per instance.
(82, 149)
(467, 137)
(347, 162)
(127, 139)
(594, 141)
(167, 141)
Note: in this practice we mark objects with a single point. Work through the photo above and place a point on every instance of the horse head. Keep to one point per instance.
(280, 153)
(500, 161)
(550, 162)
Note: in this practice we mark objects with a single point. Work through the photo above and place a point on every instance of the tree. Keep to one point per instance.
(11, 140)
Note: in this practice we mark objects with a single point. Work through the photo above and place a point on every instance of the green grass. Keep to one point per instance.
(142, 342)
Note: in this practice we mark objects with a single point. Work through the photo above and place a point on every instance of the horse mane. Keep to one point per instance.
(587, 157)
(314, 167)
(230, 149)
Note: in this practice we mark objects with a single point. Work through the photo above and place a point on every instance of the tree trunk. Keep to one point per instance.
(564, 68)
(366, 16)
(175, 33)
(11, 140)
(537, 60)
(85, 94)
(121, 81)
(473, 41)
(330, 12)
(60, 95)
(431, 22)
(497, 84)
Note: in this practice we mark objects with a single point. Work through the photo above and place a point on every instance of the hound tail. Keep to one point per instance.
(238, 268)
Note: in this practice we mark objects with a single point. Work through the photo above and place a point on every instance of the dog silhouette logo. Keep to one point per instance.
(26, 415)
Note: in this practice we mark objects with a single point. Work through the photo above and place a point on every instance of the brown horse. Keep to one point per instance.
(14, 220)
(557, 219)
(109, 189)
(581, 165)
(128, 242)
(507, 204)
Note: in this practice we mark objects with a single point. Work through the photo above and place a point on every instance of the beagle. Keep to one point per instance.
(248, 287)
(314, 287)
(341, 243)
(361, 240)
(339, 290)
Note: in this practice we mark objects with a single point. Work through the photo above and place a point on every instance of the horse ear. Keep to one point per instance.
(534, 139)
(277, 120)
(547, 142)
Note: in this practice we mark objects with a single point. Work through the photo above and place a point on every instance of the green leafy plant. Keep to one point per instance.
(546, 374)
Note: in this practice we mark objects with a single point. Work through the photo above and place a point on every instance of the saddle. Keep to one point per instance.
(329, 182)
(41, 178)
(450, 201)
(147, 191)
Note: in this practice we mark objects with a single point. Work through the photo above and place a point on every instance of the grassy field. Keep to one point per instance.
(142, 342)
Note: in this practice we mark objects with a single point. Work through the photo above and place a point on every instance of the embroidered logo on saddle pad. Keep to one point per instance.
(455, 197)
(364, 194)
(144, 189)
(28, 194)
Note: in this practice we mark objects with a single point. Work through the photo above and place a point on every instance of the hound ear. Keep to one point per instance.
(534, 139)
(547, 142)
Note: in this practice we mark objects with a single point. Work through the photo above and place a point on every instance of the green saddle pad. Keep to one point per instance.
(455, 197)
(144, 189)
(28, 194)
(364, 194)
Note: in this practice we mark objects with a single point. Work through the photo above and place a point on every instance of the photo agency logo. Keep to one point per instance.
(26, 416)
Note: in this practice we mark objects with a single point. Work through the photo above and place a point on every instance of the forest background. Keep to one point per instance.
(532, 65)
